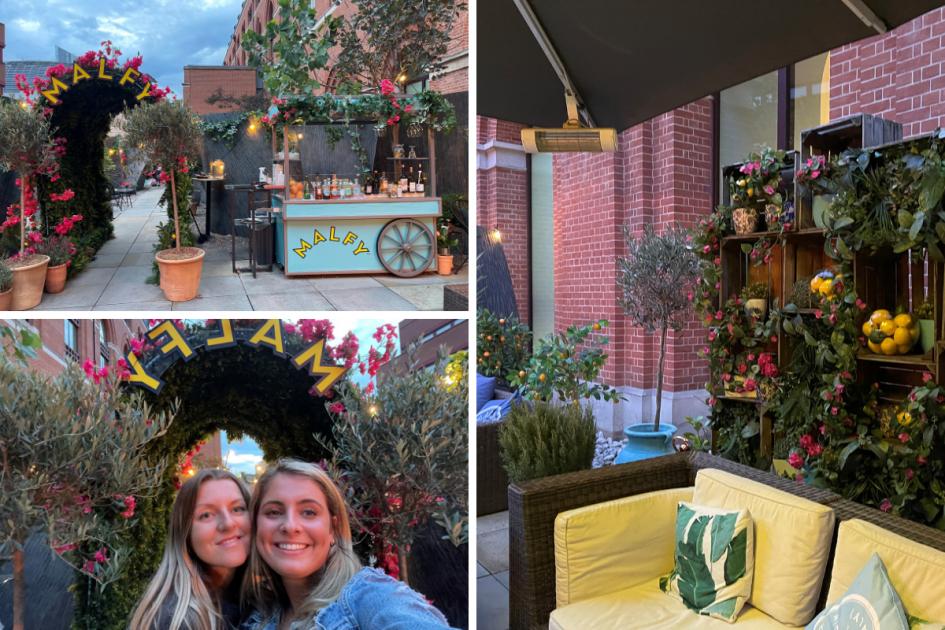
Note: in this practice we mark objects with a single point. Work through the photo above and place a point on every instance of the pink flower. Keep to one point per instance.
(101, 556)
(387, 87)
(834, 411)
(61, 549)
(129, 507)
(769, 190)
(926, 377)
(795, 460)
(904, 437)
(910, 474)
(818, 313)
(922, 460)
(885, 505)
(336, 408)
(88, 367)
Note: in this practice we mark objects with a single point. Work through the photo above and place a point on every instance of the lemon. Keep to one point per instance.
(887, 327)
(904, 349)
(826, 287)
(903, 320)
(879, 315)
(815, 283)
(904, 418)
(874, 347)
(888, 346)
(867, 328)
(902, 337)
(914, 333)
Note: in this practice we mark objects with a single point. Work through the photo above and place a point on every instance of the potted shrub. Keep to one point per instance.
(755, 296)
(813, 177)
(756, 189)
(26, 147)
(656, 278)
(6, 286)
(444, 258)
(168, 133)
(59, 249)
(924, 313)
(541, 439)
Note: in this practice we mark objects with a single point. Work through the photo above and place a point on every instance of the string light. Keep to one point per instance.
(495, 236)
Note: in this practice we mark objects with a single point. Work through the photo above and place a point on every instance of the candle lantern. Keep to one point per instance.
(216, 168)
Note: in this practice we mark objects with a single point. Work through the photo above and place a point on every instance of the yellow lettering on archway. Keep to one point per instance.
(79, 73)
(350, 237)
(127, 78)
(318, 237)
(269, 334)
(139, 375)
(361, 249)
(177, 341)
(226, 335)
(101, 70)
(331, 235)
(57, 87)
(312, 356)
(145, 92)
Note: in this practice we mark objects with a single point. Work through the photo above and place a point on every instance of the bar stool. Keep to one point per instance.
(260, 225)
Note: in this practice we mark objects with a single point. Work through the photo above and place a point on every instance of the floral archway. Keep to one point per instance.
(80, 102)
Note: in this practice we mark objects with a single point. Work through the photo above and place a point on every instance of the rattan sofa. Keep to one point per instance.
(534, 505)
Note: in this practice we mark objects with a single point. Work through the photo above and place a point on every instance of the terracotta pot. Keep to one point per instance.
(5, 299)
(28, 281)
(745, 220)
(444, 264)
(756, 307)
(56, 278)
(180, 272)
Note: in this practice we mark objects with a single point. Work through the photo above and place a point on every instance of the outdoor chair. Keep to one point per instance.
(535, 505)
(492, 482)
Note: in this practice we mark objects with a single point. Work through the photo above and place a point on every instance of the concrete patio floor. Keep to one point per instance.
(492, 571)
(116, 278)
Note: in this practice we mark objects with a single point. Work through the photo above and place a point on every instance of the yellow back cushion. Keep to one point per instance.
(792, 542)
(916, 571)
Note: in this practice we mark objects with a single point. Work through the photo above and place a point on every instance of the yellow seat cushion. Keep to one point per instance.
(792, 542)
(916, 571)
(608, 546)
(645, 606)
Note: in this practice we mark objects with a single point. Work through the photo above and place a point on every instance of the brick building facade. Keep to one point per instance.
(660, 174)
(3, 68)
(256, 13)
(201, 82)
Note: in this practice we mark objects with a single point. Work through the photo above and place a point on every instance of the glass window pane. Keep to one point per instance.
(748, 118)
(543, 254)
(810, 95)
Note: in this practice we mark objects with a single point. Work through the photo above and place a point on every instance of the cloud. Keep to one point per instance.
(242, 459)
(30, 26)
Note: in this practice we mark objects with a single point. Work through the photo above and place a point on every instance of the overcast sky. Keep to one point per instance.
(169, 34)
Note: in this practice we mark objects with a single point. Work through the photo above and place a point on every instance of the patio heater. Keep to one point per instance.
(573, 136)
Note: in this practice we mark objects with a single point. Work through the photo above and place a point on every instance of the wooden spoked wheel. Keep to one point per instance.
(406, 247)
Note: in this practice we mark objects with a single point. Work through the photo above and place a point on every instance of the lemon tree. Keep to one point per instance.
(890, 335)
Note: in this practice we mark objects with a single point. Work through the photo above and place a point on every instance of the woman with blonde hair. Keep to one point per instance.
(196, 587)
(303, 572)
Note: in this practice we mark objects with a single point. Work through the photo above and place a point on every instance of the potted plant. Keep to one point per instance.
(656, 278)
(6, 286)
(756, 189)
(170, 136)
(813, 176)
(26, 146)
(924, 313)
(755, 296)
(444, 258)
(60, 250)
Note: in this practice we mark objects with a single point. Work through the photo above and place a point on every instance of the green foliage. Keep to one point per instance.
(73, 463)
(58, 248)
(167, 132)
(540, 439)
(402, 450)
(755, 291)
(225, 131)
(383, 39)
(292, 49)
(503, 345)
(6, 277)
(700, 438)
(26, 144)
(567, 364)
(758, 182)
(925, 310)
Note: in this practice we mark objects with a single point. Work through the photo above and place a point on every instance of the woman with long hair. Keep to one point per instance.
(302, 564)
(196, 587)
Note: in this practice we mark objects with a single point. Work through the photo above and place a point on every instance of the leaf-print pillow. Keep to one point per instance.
(715, 560)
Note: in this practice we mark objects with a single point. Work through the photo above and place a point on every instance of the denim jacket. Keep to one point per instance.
(371, 600)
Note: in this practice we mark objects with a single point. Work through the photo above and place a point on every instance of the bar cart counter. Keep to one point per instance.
(363, 235)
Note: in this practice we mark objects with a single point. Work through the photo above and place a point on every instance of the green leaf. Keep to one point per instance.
(917, 225)
(746, 248)
(848, 450)
(725, 608)
(842, 222)
(721, 534)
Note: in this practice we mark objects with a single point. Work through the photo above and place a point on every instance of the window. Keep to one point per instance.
(103, 352)
(71, 338)
(810, 95)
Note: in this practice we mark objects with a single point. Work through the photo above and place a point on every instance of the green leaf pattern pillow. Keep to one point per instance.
(714, 560)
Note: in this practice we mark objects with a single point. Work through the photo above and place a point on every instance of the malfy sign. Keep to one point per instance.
(176, 345)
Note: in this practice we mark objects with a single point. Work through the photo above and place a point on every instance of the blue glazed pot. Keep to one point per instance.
(643, 442)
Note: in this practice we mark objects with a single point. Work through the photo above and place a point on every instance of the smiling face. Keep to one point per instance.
(219, 533)
(294, 526)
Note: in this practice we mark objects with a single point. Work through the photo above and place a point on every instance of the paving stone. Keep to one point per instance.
(492, 604)
(345, 282)
(492, 522)
(154, 306)
(291, 302)
(106, 261)
(379, 299)
(218, 303)
(76, 297)
(91, 276)
(492, 550)
(129, 293)
(425, 297)
(481, 571)
(273, 282)
(217, 286)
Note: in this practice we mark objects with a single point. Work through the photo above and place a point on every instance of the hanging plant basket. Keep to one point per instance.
(414, 130)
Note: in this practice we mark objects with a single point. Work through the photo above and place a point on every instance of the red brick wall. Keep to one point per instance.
(502, 195)
(52, 356)
(3, 68)
(201, 82)
(899, 75)
(659, 175)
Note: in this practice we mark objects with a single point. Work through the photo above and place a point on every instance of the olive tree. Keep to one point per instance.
(656, 279)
